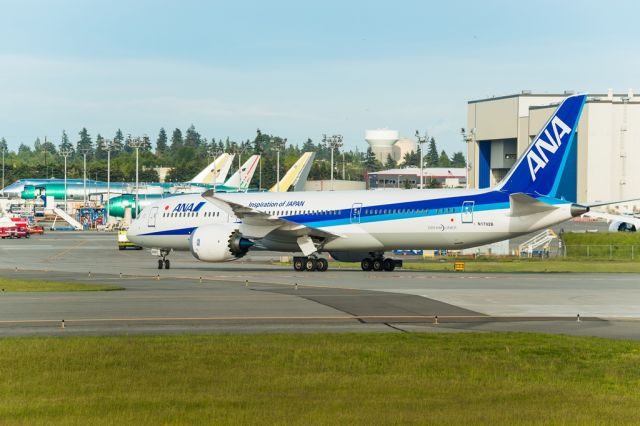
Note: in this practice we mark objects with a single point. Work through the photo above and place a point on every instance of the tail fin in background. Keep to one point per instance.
(297, 175)
(216, 172)
(540, 168)
(242, 177)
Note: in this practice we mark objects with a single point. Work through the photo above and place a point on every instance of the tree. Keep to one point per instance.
(84, 143)
(161, 142)
(100, 151)
(65, 144)
(118, 141)
(370, 161)
(176, 140)
(458, 160)
(432, 156)
(3, 146)
(192, 138)
(390, 163)
(444, 160)
(24, 151)
(411, 159)
(146, 144)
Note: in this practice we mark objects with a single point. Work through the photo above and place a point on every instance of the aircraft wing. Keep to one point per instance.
(256, 224)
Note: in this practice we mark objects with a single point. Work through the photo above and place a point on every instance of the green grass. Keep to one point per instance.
(595, 238)
(15, 285)
(320, 379)
(511, 265)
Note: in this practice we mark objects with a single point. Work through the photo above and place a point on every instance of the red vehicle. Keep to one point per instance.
(36, 229)
(8, 232)
(22, 227)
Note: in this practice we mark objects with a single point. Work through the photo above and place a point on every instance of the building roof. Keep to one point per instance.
(433, 172)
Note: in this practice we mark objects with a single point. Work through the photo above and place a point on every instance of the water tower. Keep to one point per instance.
(381, 142)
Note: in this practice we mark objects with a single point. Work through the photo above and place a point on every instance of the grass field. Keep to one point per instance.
(320, 379)
(512, 265)
(14, 285)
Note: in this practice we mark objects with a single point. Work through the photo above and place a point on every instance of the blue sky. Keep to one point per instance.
(296, 69)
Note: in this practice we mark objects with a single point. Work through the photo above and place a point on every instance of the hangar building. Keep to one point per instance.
(604, 158)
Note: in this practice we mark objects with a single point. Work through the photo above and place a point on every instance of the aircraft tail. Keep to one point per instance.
(297, 175)
(216, 172)
(242, 177)
(540, 168)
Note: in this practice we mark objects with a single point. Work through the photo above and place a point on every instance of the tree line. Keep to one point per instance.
(188, 152)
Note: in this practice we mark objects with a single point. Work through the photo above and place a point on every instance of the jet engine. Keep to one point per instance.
(218, 243)
(618, 226)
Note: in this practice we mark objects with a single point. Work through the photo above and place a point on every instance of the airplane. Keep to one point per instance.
(293, 180)
(30, 189)
(360, 226)
(239, 181)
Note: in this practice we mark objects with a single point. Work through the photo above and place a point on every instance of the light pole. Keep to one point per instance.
(108, 146)
(136, 143)
(333, 142)
(65, 152)
(422, 140)
(214, 153)
(239, 152)
(2, 188)
(277, 146)
(466, 138)
(85, 151)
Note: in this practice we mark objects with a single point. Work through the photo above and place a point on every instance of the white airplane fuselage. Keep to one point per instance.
(372, 220)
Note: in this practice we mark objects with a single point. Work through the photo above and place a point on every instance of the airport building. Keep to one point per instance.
(499, 129)
(441, 177)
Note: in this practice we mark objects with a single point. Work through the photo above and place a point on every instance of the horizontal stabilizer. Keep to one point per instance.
(524, 205)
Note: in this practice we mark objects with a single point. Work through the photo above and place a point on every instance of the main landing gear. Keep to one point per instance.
(164, 262)
(380, 264)
(310, 264)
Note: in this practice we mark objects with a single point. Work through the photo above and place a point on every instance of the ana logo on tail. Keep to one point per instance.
(539, 160)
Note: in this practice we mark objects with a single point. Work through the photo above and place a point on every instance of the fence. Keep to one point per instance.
(603, 251)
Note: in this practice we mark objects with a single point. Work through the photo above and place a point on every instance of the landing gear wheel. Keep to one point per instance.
(388, 264)
(377, 264)
(298, 264)
(366, 264)
(167, 264)
(322, 265)
(160, 263)
(310, 264)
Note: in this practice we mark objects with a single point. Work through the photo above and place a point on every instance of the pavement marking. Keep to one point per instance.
(314, 317)
(64, 252)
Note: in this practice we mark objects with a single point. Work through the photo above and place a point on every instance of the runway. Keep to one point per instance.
(255, 296)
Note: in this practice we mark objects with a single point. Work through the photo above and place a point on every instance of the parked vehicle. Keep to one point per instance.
(8, 232)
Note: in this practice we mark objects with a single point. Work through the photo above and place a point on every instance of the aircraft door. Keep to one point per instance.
(152, 217)
(356, 210)
(467, 212)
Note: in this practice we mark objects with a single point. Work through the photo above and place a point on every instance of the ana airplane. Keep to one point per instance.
(359, 226)
(239, 181)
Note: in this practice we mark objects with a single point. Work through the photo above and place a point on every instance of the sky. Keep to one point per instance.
(297, 69)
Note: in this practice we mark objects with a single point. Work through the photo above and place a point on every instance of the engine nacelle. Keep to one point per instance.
(218, 243)
(622, 227)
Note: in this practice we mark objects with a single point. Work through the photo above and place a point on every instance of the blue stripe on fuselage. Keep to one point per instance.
(494, 200)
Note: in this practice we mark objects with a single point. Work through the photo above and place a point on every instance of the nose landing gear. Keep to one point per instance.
(164, 262)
